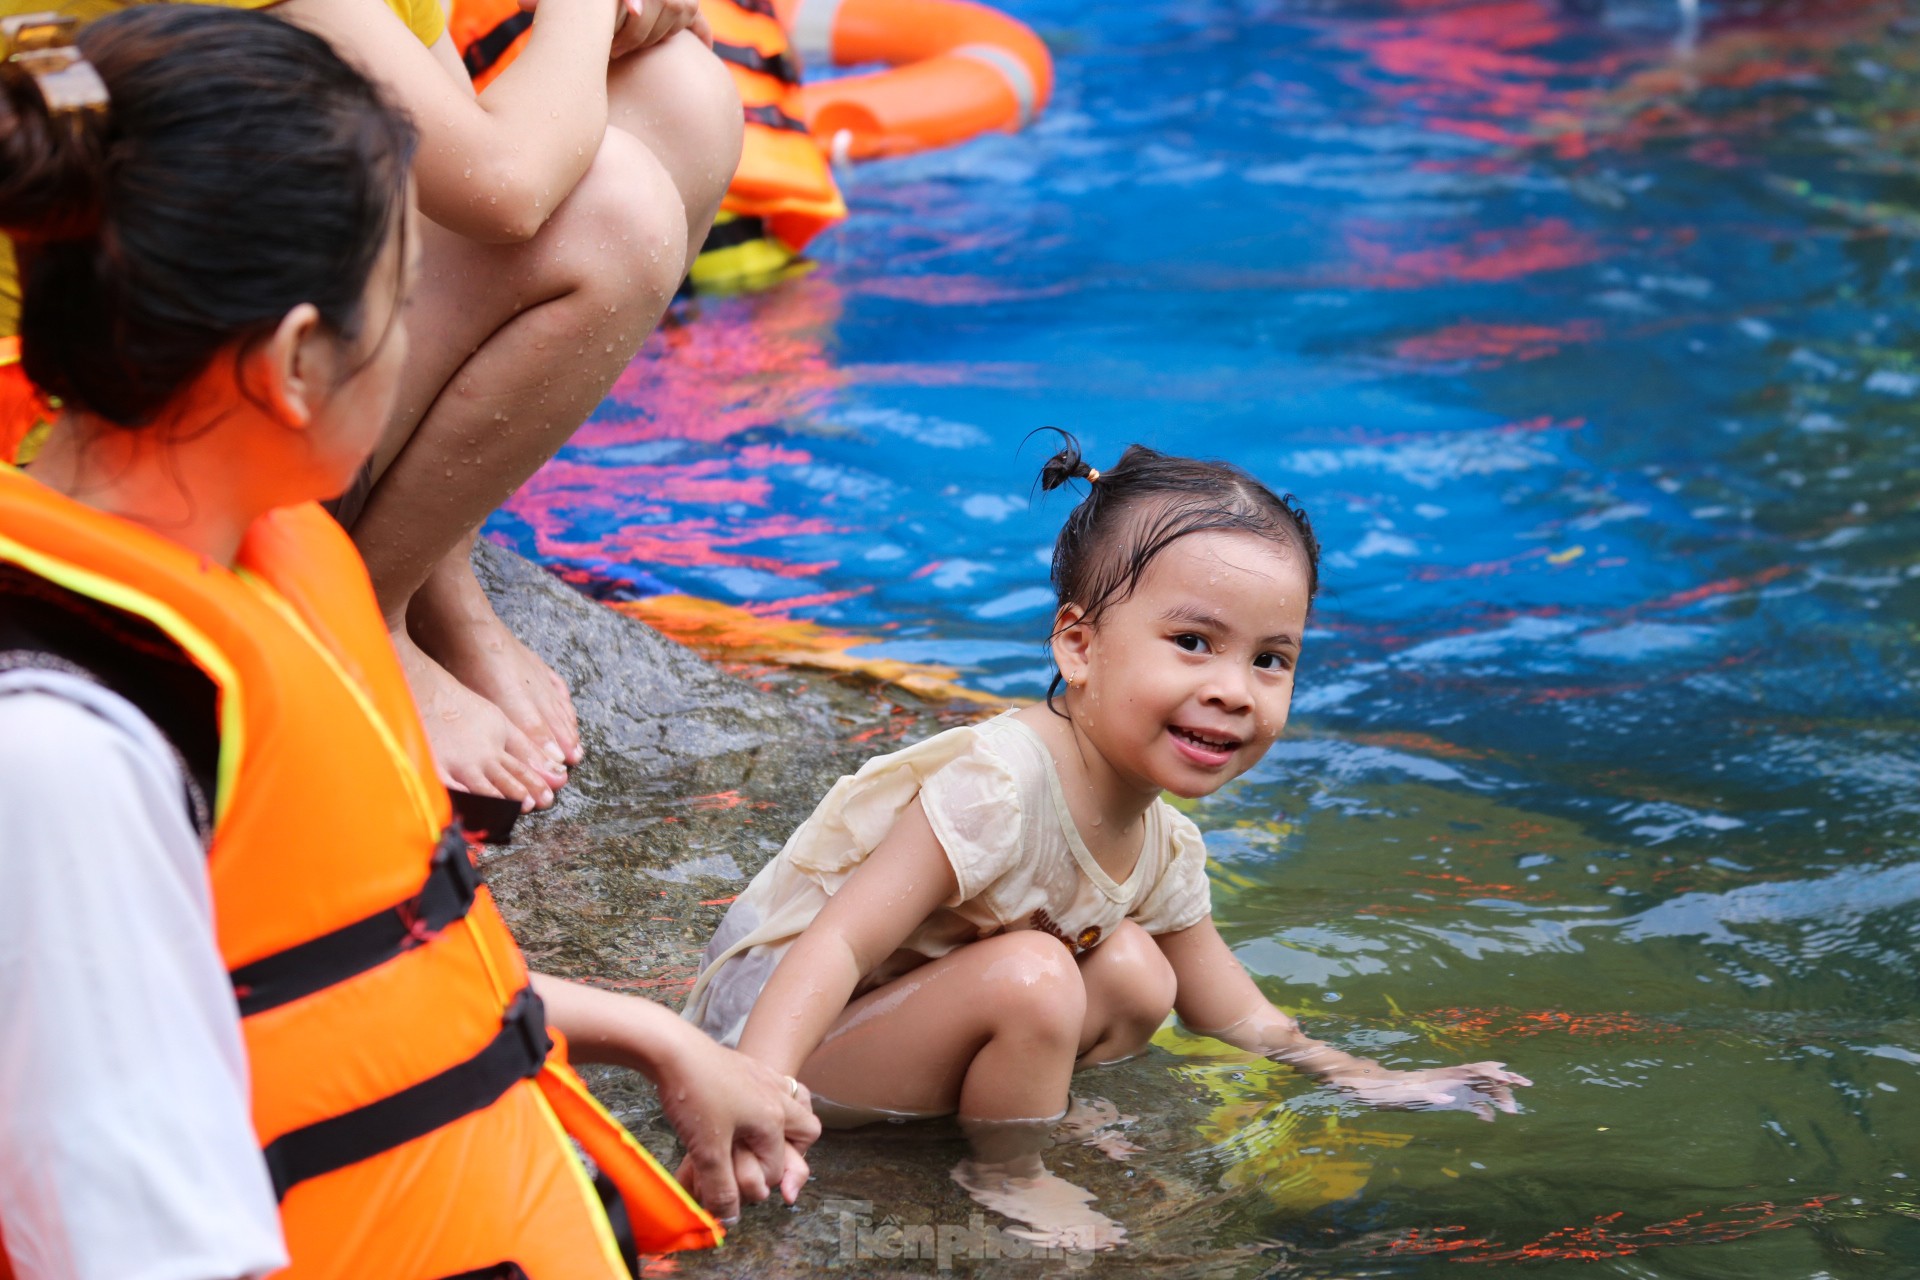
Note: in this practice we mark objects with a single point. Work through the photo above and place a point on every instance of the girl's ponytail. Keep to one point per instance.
(1065, 465)
(52, 163)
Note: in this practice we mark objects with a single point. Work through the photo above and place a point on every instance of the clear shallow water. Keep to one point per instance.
(1592, 362)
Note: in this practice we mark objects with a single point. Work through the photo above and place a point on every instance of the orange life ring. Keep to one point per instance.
(956, 69)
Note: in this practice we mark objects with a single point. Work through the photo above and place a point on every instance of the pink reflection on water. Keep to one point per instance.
(698, 541)
(724, 369)
(1551, 244)
(1494, 343)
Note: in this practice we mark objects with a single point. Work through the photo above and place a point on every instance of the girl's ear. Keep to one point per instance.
(1072, 638)
(290, 372)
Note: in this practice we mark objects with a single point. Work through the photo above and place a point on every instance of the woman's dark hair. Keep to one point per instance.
(241, 169)
(1145, 503)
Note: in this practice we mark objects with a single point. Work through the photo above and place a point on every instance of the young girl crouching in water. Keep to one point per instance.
(963, 924)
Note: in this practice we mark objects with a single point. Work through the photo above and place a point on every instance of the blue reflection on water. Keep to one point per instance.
(1592, 365)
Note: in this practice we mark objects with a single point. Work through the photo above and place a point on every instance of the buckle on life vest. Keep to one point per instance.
(526, 1018)
(452, 882)
(516, 1052)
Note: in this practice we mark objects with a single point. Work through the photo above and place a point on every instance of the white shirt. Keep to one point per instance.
(127, 1151)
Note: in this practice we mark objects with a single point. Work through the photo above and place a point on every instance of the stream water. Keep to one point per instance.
(1588, 341)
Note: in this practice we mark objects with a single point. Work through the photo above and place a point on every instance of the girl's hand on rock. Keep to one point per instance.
(1479, 1087)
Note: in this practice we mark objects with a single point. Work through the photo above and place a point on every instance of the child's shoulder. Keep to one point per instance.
(988, 737)
(1180, 834)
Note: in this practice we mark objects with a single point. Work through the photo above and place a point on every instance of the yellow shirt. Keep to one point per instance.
(425, 18)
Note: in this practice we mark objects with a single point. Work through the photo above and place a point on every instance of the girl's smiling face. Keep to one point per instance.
(1184, 685)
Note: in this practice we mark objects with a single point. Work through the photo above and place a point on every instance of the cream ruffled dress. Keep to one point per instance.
(993, 798)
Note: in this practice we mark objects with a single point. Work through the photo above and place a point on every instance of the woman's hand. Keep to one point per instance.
(746, 1127)
(645, 23)
(641, 24)
(1479, 1087)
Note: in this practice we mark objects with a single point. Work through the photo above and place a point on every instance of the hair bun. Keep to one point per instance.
(1065, 465)
(52, 165)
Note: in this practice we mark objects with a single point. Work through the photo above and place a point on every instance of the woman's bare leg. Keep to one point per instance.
(518, 344)
(679, 101)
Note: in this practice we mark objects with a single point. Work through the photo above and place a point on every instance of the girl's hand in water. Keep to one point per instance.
(1217, 998)
(1479, 1087)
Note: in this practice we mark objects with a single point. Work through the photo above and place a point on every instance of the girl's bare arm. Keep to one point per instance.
(493, 167)
(1216, 997)
(900, 884)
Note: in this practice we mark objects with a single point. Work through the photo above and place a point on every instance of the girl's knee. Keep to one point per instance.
(1129, 979)
(1030, 981)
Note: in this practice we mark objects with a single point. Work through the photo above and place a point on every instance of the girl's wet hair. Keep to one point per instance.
(1145, 503)
(241, 169)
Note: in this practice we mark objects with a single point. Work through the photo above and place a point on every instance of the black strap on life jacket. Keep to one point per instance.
(446, 896)
(777, 65)
(515, 1054)
(619, 1220)
(491, 47)
(774, 118)
(744, 229)
(762, 7)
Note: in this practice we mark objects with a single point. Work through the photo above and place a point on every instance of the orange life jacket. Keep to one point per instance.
(22, 407)
(412, 1108)
(783, 179)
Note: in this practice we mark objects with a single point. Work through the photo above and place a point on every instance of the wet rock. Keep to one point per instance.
(644, 699)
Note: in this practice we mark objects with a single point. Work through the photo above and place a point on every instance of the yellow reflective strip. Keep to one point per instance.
(485, 953)
(204, 652)
(596, 1212)
(579, 1090)
(416, 789)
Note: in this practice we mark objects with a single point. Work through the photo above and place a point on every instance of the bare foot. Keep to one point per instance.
(1050, 1210)
(474, 746)
(453, 620)
(1095, 1122)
